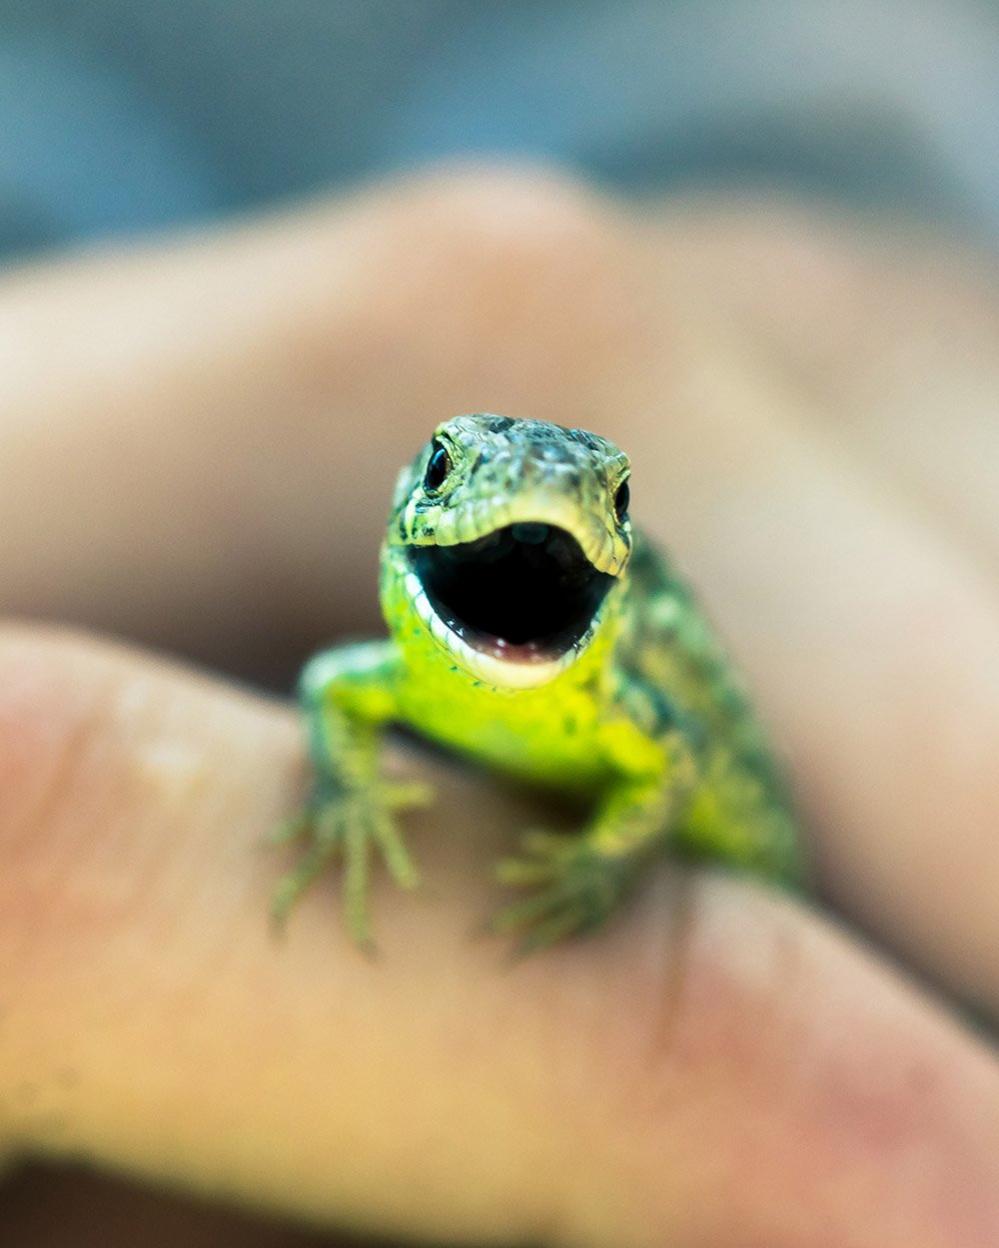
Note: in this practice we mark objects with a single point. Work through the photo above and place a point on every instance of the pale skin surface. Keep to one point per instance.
(199, 442)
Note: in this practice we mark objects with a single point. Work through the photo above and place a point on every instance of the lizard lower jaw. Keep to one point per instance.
(522, 596)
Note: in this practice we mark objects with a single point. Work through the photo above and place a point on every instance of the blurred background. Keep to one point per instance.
(119, 117)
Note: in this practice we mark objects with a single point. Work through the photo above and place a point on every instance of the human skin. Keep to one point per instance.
(198, 444)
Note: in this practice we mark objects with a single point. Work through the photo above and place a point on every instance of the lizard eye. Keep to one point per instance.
(621, 500)
(438, 466)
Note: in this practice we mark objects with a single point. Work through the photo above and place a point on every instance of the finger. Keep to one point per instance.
(891, 328)
(717, 1068)
(263, 384)
(870, 636)
(204, 366)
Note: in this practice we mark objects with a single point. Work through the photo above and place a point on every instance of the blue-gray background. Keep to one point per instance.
(125, 115)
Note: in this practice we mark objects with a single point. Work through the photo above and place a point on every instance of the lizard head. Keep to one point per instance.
(510, 538)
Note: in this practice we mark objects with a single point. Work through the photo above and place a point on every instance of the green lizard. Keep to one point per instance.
(534, 630)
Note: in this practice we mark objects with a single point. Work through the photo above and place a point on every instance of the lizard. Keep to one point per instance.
(534, 629)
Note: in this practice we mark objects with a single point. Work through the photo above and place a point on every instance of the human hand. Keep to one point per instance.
(199, 443)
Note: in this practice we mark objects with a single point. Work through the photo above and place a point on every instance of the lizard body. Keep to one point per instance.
(532, 629)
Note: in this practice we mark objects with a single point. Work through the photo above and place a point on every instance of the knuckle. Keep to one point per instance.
(530, 264)
(661, 1029)
(495, 217)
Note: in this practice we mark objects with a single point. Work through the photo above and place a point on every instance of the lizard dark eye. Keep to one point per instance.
(621, 500)
(438, 466)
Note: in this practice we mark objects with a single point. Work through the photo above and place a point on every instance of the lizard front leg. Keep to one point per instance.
(348, 695)
(579, 881)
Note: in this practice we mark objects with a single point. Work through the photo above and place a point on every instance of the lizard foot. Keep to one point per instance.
(347, 824)
(575, 888)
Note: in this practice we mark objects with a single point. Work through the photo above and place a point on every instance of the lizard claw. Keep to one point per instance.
(347, 825)
(576, 888)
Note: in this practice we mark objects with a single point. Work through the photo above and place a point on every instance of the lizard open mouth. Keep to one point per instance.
(524, 593)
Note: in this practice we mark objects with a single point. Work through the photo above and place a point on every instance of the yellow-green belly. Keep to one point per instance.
(548, 735)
